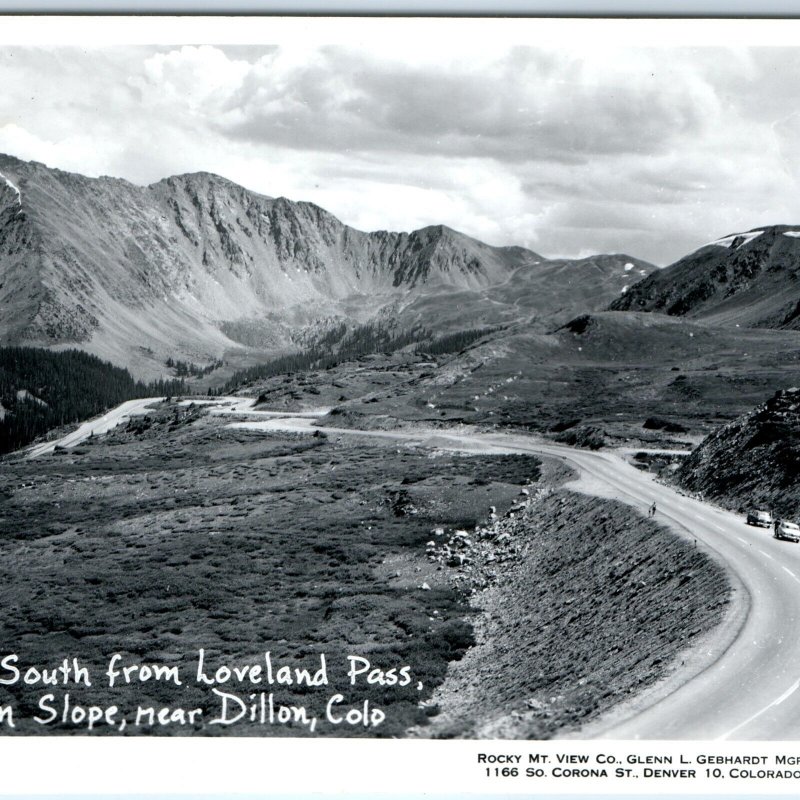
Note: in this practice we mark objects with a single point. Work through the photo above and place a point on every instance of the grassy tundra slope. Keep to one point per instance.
(179, 533)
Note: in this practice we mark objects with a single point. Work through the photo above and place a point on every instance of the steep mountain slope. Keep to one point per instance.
(752, 461)
(196, 267)
(749, 279)
(109, 263)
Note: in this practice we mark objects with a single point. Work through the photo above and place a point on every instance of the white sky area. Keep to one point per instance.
(651, 151)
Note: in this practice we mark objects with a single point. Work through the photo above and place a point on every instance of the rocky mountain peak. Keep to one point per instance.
(195, 267)
(118, 266)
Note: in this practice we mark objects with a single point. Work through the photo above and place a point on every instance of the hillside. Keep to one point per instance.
(546, 294)
(610, 368)
(749, 279)
(197, 268)
(752, 461)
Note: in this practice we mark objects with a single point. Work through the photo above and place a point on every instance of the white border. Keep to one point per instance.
(424, 32)
(398, 768)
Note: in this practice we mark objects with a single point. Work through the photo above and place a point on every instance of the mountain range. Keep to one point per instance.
(196, 267)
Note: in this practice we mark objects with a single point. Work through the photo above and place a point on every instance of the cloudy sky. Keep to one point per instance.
(650, 151)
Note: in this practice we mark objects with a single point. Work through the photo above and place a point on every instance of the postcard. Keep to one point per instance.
(406, 403)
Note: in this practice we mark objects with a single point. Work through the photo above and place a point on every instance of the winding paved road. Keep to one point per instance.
(746, 682)
(748, 686)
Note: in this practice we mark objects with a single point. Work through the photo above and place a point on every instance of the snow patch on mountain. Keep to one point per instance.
(14, 188)
(737, 239)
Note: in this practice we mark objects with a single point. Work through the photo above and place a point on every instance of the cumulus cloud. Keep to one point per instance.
(524, 105)
(650, 151)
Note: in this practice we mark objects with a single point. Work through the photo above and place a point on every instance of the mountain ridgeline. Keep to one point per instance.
(747, 279)
(197, 268)
(196, 277)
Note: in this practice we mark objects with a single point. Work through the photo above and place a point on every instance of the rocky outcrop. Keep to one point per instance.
(753, 461)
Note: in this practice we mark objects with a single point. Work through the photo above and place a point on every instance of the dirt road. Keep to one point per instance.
(95, 427)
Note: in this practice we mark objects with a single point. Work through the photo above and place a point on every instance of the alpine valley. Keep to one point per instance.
(196, 268)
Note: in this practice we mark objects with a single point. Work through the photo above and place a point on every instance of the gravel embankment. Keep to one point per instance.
(581, 604)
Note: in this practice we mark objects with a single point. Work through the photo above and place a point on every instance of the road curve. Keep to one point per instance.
(96, 426)
(122, 413)
(747, 686)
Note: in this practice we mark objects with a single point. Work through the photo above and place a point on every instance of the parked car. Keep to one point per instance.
(787, 530)
(761, 518)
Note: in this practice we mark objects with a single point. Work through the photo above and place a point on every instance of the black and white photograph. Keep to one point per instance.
(439, 380)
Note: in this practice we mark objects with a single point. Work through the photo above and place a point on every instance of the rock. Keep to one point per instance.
(751, 461)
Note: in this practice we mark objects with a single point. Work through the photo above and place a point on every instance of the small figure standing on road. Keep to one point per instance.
(652, 511)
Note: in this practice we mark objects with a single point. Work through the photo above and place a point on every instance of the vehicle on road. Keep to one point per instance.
(787, 530)
(763, 519)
